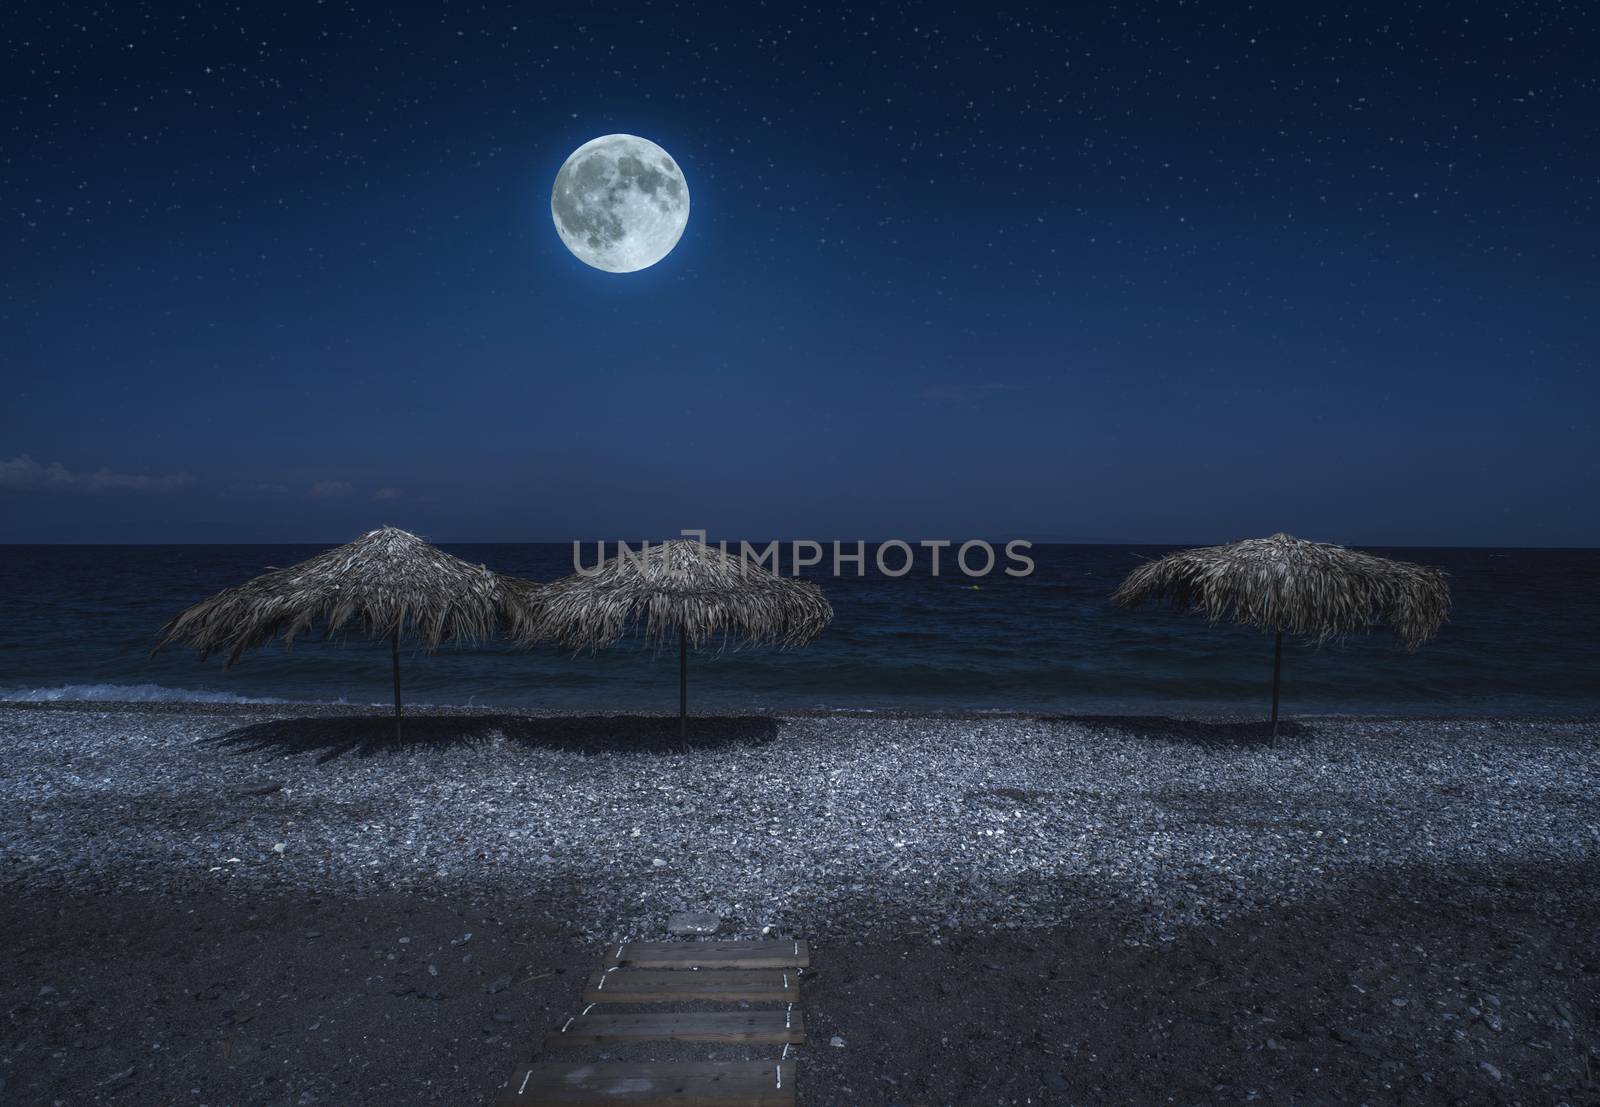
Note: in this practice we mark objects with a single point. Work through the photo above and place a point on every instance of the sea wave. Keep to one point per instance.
(126, 693)
(1521, 641)
(160, 693)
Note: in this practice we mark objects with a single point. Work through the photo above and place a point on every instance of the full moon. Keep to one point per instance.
(620, 203)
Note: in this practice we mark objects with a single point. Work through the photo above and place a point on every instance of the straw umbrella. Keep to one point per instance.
(386, 583)
(684, 593)
(1287, 585)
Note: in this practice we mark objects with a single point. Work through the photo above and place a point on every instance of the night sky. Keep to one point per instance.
(1149, 272)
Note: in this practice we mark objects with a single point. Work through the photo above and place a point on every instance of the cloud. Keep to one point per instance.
(102, 479)
(23, 472)
(253, 489)
(386, 494)
(330, 490)
(966, 393)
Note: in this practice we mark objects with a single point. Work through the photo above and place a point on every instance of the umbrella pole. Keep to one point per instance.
(394, 648)
(1277, 668)
(683, 686)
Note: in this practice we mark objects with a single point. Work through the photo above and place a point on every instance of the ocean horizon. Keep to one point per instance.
(83, 618)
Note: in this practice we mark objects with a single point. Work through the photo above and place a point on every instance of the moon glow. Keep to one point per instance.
(620, 203)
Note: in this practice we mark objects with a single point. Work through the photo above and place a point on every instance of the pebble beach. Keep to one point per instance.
(980, 839)
(828, 824)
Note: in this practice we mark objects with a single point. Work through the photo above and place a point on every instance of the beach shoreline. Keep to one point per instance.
(1242, 715)
(1087, 909)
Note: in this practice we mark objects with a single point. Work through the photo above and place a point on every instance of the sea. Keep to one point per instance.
(78, 623)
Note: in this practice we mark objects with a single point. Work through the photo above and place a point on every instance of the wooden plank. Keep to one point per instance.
(674, 985)
(653, 1084)
(712, 955)
(771, 1027)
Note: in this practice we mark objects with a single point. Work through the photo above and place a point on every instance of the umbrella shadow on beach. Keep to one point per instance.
(332, 737)
(1217, 733)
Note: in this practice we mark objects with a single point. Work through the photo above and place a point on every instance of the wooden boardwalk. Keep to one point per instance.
(778, 1027)
(648, 973)
(713, 955)
(680, 1084)
(675, 986)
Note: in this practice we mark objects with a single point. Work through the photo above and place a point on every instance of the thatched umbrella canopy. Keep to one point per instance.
(1287, 585)
(385, 584)
(684, 591)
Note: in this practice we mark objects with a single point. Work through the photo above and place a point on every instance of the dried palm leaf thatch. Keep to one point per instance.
(1287, 585)
(387, 584)
(682, 592)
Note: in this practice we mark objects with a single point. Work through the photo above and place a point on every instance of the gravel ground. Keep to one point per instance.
(1005, 910)
(827, 825)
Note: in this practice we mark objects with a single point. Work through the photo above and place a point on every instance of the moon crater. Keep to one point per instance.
(620, 203)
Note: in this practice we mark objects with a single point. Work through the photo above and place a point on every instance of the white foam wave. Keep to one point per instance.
(126, 693)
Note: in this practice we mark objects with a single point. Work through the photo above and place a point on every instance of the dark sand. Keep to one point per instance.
(1385, 995)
